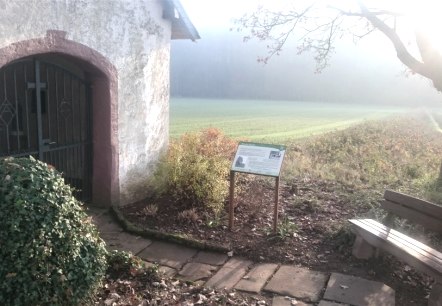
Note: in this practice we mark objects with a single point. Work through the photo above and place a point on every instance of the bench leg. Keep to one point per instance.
(436, 295)
(362, 249)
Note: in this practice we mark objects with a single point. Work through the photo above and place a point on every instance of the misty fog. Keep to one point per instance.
(221, 65)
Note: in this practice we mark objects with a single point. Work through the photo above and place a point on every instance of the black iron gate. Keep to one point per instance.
(45, 111)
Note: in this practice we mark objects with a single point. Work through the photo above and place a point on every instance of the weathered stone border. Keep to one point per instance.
(177, 238)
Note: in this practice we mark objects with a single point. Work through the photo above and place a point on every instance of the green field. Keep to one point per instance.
(269, 120)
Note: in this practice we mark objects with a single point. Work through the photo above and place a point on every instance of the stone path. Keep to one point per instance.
(289, 285)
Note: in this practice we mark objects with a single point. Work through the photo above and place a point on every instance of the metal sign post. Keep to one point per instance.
(259, 159)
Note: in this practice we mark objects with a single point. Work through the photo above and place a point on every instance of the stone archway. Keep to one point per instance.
(102, 77)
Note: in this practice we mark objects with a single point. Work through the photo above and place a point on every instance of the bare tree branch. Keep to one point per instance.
(401, 50)
(421, 67)
(318, 34)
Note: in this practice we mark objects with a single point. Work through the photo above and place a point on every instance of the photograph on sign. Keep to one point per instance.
(257, 158)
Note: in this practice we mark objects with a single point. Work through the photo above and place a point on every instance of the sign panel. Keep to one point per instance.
(258, 158)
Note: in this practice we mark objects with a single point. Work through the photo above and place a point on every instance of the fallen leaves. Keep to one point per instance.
(151, 288)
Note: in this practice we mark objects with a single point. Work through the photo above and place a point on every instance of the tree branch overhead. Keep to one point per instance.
(316, 30)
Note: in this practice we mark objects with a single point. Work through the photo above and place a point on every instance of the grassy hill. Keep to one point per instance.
(270, 121)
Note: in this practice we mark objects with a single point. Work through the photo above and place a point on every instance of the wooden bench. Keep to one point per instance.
(372, 236)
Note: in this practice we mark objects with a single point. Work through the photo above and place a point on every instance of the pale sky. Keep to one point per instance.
(374, 51)
(207, 14)
(216, 13)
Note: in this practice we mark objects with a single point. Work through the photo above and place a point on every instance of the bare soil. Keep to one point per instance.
(313, 231)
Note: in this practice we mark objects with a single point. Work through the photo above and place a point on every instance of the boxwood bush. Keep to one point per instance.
(50, 253)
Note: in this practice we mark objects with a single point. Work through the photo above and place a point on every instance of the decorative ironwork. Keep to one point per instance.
(65, 109)
(51, 121)
(7, 112)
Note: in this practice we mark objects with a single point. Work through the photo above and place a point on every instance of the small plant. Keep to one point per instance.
(214, 222)
(313, 205)
(286, 228)
(434, 190)
(188, 216)
(342, 236)
(150, 210)
(308, 202)
(122, 263)
(154, 268)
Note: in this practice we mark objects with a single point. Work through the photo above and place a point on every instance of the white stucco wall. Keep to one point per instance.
(135, 38)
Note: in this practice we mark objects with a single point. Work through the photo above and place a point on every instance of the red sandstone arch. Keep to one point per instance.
(103, 77)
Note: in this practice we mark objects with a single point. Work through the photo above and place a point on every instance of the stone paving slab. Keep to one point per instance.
(358, 291)
(302, 284)
(297, 282)
(237, 263)
(211, 258)
(125, 241)
(229, 274)
(287, 301)
(106, 223)
(255, 280)
(194, 271)
(328, 303)
(167, 254)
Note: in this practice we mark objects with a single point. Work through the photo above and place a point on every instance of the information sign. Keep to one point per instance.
(258, 158)
(261, 159)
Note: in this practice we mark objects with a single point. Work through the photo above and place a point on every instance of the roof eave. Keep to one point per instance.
(182, 27)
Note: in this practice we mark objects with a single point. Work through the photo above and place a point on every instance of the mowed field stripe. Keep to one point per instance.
(272, 120)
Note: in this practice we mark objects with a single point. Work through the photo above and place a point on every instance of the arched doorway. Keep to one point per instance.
(46, 112)
(88, 67)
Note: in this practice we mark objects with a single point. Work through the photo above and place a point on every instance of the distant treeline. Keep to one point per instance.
(220, 65)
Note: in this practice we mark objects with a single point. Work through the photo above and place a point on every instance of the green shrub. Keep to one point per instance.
(122, 264)
(195, 170)
(50, 252)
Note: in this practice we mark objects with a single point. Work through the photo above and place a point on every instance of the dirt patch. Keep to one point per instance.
(313, 231)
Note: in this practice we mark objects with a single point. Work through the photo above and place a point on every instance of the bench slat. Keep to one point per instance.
(425, 207)
(430, 222)
(394, 245)
(408, 241)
